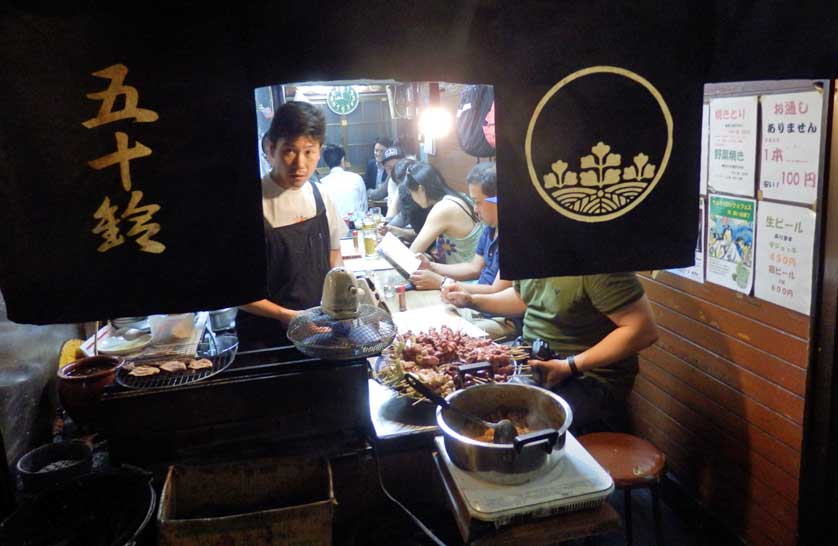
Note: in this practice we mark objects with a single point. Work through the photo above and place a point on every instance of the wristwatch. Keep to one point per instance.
(571, 362)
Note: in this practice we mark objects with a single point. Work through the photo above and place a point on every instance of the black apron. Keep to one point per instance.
(298, 260)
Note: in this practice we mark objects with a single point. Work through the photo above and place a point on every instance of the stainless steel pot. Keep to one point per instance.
(223, 319)
(548, 416)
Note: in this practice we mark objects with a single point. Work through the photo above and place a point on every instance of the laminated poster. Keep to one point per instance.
(730, 238)
(705, 148)
(791, 141)
(696, 272)
(785, 246)
(733, 145)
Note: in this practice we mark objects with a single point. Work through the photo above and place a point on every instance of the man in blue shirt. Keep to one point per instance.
(483, 189)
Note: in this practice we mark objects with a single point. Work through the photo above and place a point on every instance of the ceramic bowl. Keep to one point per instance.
(80, 385)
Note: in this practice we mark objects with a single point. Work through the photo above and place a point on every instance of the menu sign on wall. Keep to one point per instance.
(791, 137)
(784, 249)
(732, 148)
(730, 235)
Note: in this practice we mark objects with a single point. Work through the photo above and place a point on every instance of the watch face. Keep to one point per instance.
(342, 100)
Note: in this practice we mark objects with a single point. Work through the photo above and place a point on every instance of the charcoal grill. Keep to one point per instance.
(266, 401)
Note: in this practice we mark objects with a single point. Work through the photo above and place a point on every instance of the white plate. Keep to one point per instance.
(118, 345)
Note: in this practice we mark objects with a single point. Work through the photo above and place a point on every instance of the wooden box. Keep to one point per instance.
(276, 501)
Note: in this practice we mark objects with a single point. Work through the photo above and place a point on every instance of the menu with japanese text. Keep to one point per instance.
(732, 145)
(791, 138)
(784, 255)
(730, 236)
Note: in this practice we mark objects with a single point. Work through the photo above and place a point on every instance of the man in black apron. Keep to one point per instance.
(302, 228)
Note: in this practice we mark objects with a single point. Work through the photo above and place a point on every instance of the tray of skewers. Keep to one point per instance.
(445, 360)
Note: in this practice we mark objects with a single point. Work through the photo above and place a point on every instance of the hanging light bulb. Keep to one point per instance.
(435, 122)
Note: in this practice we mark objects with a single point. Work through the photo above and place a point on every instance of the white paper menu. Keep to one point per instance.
(399, 256)
(784, 254)
(733, 145)
(790, 151)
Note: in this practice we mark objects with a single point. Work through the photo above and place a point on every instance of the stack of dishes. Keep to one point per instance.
(129, 335)
(123, 323)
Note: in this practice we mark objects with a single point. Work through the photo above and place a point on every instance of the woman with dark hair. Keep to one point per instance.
(407, 217)
(452, 223)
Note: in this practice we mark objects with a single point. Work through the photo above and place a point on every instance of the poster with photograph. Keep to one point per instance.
(733, 145)
(791, 143)
(696, 272)
(730, 239)
(705, 148)
(784, 252)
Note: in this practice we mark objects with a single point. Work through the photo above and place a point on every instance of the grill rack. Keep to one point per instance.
(220, 350)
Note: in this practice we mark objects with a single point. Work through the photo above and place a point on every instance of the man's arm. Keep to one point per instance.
(635, 331)
(506, 303)
(269, 309)
(430, 275)
(335, 259)
(459, 272)
(497, 286)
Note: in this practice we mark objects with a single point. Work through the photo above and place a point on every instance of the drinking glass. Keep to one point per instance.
(388, 284)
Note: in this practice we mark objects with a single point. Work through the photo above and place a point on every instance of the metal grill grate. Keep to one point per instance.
(221, 352)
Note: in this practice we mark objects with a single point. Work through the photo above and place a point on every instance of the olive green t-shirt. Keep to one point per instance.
(571, 314)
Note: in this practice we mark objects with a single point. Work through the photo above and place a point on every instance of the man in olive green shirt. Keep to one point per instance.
(597, 323)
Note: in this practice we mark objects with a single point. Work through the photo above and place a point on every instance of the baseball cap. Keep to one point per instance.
(392, 153)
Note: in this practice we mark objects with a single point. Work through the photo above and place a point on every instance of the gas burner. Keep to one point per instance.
(576, 482)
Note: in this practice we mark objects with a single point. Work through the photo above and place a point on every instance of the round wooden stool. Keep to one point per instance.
(632, 462)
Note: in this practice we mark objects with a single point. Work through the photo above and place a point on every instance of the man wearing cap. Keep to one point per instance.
(388, 160)
(484, 267)
(302, 227)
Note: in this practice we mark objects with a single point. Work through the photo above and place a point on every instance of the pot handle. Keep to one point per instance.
(549, 436)
(426, 391)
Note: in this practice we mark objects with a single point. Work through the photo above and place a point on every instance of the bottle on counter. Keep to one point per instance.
(401, 292)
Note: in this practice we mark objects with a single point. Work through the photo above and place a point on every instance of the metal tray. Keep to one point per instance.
(220, 350)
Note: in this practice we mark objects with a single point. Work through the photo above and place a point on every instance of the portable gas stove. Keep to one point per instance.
(576, 482)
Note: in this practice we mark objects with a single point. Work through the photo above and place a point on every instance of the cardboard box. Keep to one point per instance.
(277, 501)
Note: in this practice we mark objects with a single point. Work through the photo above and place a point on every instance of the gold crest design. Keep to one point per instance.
(602, 187)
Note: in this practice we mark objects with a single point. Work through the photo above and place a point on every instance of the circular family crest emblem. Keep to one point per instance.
(581, 130)
(342, 100)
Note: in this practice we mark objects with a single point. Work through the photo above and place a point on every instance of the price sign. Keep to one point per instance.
(791, 137)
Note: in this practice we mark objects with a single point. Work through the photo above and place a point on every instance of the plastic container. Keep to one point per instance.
(170, 329)
(275, 501)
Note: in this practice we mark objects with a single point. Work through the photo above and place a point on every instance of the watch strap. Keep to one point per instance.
(571, 362)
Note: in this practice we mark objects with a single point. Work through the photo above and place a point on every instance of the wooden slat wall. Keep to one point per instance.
(722, 394)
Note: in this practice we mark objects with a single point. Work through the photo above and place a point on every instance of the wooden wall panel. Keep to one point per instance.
(735, 430)
(755, 309)
(781, 400)
(681, 463)
(772, 340)
(722, 394)
(773, 369)
(714, 392)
